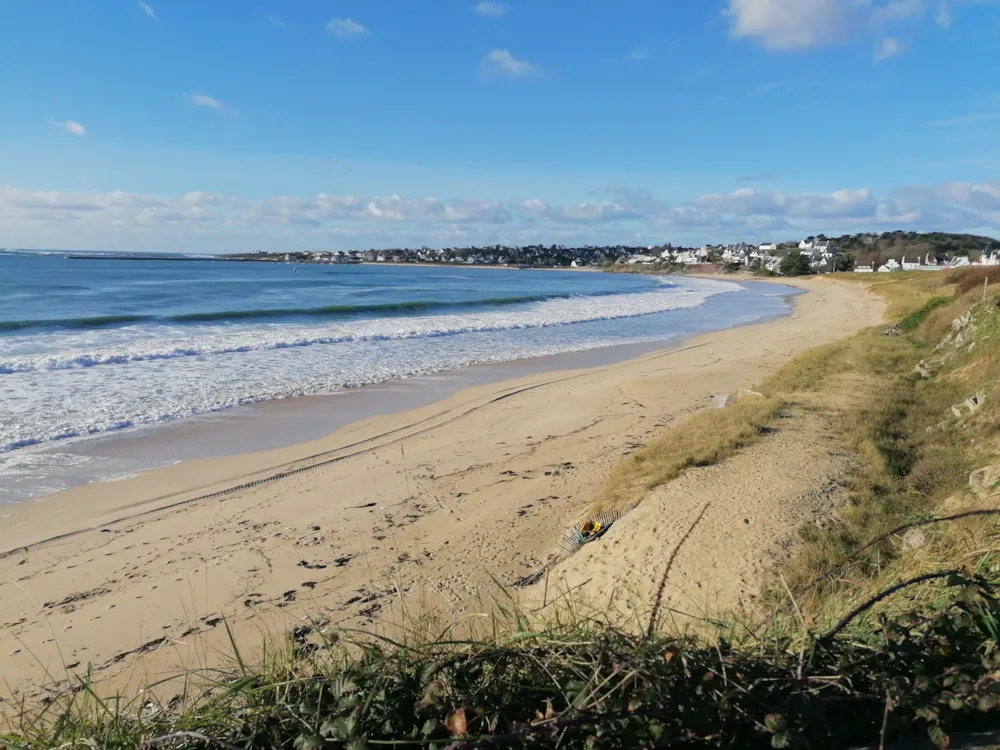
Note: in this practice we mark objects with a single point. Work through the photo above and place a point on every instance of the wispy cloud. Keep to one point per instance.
(491, 9)
(980, 118)
(887, 48)
(943, 16)
(201, 100)
(277, 22)
(347, 28)
(638, 54)
(70, 126)
(73, 219)
(148, 10)
(898, 10)
(764, 88)
(501, 62)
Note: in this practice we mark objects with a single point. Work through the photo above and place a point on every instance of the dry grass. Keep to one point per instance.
(903, 292)
(970, 278)
(910, 454)
(913, 462)
(705, 439)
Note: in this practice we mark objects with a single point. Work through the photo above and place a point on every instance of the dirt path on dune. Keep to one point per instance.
(422, 512)
(721, 525)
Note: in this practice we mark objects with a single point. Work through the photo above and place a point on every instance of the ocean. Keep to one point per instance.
(93, 347)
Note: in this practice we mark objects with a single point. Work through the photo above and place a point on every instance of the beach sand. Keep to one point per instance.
(414, 512)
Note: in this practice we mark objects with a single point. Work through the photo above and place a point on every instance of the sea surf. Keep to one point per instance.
(91, 348)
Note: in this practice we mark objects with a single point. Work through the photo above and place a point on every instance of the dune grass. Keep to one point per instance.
(702, 440)
(913, 460)
(909, 453)
(578, 684)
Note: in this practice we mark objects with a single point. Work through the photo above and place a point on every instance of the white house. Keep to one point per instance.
(637, 259)
(864, 269)
(961, 260)
(990, 259)
(911, 264)
(890, 265)
(815, 245)
(768, 247)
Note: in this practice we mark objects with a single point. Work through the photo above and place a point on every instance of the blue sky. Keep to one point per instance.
(236, 124)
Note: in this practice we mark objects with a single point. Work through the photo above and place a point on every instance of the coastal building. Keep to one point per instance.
(768, 247)
(641, 259)
(890, 265)
(911, 264)
(864, 268)
(989, 258)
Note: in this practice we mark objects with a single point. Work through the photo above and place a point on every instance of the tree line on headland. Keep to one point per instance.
(845, 251)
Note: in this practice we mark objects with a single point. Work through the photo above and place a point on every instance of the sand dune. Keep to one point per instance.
(417, 511)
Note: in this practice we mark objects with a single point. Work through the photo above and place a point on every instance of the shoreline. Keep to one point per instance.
(431, 392)
(478, 486)
(55, 466)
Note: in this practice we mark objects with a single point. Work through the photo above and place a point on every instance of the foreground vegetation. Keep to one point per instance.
(582, 686)
(883, 622)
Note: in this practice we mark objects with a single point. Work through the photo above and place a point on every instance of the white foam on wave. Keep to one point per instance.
(70, 350)
(44, 402)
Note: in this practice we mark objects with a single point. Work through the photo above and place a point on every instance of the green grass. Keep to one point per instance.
(582, 685)
(916, 318)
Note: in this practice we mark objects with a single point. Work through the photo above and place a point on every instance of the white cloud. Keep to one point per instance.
(148, 10)
(201, 100)
(793, 24)
(638, 54)
(887, 48)
(501, 62)
(70, 126)
(491, 9)
(212, 221)
(347, 28)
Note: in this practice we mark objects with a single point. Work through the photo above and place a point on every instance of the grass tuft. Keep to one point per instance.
(702, 440)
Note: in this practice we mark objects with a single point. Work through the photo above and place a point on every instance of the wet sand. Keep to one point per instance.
(415, 511)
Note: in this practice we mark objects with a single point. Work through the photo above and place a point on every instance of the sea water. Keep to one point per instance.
(94, 346)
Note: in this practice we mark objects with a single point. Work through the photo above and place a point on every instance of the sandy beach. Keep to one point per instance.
(419, 511)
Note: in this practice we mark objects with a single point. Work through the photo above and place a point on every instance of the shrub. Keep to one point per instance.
(968, 278)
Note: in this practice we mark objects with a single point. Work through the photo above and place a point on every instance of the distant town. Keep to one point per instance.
(860, 253)
(814, 254)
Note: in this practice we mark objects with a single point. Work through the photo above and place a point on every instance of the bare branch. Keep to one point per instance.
(860, 609)
(670, 563)
(865, 547)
